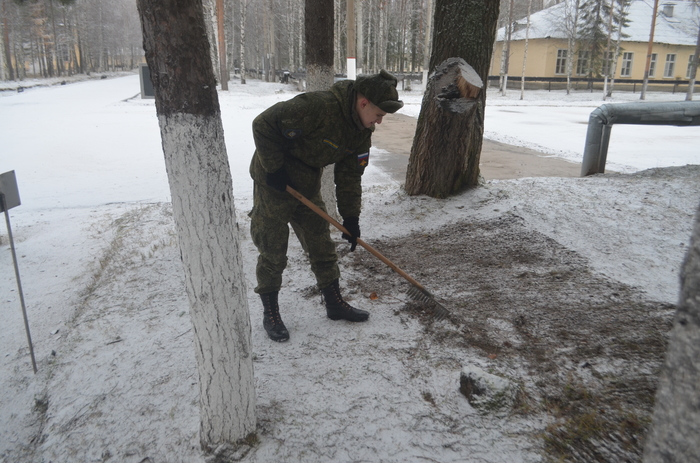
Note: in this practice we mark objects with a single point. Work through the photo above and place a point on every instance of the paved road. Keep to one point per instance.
(498, 160)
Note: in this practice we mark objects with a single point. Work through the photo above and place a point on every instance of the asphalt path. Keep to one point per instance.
(498, 160)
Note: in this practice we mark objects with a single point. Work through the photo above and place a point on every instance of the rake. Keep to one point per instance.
(416, 292)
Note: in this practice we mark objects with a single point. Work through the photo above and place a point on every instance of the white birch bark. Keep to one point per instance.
(3, 59)
(693, 70)
(209, 21)
(675, 429)
(606, 58)
(572, 8)
(527, 40)
(381, 47)
(242, 60)
(271, 42)
(302, 32)
(290, 34)
(359, 24)
(505, 52)
(368, 53)
(205, 217)
(616, 55)
(427, 40)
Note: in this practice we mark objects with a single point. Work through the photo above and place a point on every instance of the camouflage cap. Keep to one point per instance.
(380, 89)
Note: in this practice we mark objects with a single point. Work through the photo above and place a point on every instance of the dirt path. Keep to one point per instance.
(498, 160)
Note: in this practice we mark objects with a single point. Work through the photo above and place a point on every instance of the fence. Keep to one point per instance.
(584, 83)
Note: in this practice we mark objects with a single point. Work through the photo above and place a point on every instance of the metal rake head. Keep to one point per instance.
(423, 296)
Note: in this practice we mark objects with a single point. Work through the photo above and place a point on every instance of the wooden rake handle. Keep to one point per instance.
(337, 225)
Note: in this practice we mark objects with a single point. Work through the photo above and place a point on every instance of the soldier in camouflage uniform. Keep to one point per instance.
(294, 141)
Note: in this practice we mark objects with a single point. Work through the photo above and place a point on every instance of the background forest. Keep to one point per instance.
(65, 37)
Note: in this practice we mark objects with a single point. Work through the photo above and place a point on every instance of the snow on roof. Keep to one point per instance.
(676, 23)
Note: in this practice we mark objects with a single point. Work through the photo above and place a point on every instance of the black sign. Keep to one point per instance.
(9, 191)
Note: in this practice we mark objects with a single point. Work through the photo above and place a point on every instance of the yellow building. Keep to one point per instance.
(675, 37)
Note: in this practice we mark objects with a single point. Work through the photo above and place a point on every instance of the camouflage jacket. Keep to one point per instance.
(309, 132)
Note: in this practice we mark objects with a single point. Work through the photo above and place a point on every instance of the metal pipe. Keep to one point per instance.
(601, 120)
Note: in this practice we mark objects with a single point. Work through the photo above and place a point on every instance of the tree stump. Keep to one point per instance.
(451, 122)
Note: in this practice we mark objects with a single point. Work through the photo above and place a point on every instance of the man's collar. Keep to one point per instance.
(353, 111)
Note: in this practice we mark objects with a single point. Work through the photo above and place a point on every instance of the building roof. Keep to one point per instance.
(677, 23)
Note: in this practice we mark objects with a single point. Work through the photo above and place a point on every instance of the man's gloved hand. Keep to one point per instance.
(352, 224)
(278, 179)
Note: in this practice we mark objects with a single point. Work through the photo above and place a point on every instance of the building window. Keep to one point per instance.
(626, 70)
(670, 65)
(582, 63)
(652, 65)
(690, 66)
(608, 58)
(561, 62)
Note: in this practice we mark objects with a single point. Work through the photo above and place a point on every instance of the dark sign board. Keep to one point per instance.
(147, 90)
(9, 191)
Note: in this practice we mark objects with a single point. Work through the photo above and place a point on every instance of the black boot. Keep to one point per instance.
(272, 322)
(338, 309)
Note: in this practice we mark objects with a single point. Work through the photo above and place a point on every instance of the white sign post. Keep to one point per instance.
(9, 198)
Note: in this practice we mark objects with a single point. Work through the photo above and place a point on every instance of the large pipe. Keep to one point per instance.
(601, 120)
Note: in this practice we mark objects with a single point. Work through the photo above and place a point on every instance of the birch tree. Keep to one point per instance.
(623, 10)
(527, 39)
(505, 52)
(675, 427)
(571, 12)
(242, 63)
(209, 22)
(693, 68)
(7, 55)
(428, 22)
(177, 52)
(593, 33)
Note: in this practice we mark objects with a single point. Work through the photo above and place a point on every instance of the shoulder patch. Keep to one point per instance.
(363, 159)
(330, 143)
(292, 133)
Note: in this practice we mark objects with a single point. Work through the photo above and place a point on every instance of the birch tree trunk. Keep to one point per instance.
(505, 53)
(209, 21)
(319, 16)
(693, 70)
(571, 20)
(177, 52)
(242, 19)
(527, 40)
(381, 46)
(606, 58)
(271, 42)
(6, 41)
(465, 30)
(359, 22)
(618, 47)
(302, 34)
(336, 36)
(368, 52)
(426, 43)
(290, 34)
(675, 428)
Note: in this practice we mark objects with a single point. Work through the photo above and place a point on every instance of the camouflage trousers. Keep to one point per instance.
(272, 213)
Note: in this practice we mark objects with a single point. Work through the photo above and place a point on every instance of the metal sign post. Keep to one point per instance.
(9, 198)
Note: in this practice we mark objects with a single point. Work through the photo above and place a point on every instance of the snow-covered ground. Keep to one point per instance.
(108, 314)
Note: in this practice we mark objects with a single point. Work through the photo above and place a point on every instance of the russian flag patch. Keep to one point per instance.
(363, 159)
